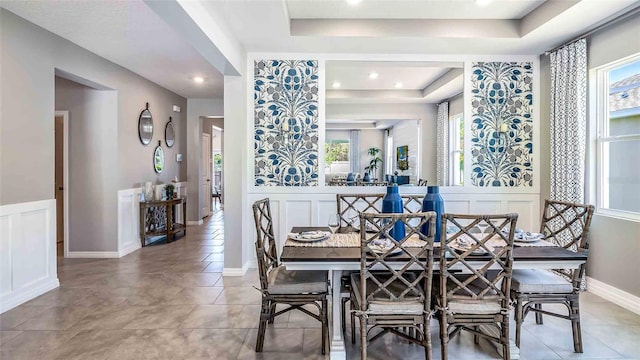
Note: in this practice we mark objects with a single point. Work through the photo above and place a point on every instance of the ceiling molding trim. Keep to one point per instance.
(543, 13)
(434, 28)
(448, 77)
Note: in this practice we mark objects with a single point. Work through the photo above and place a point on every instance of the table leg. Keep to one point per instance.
(338, 351)
(493, 331)
(169, 223)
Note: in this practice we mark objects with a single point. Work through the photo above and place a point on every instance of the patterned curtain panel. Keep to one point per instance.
(442, 150)
(568, 121)
(354, 151)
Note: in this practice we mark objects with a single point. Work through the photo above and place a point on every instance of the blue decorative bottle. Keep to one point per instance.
(350, 179)
(433, 202)
(366, 177)
(392, 203)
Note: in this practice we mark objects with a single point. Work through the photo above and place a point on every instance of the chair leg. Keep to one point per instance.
(476, 338)
(363, 338)
(504, 338)
(272, 310)
(353, 324)
(325, 325)
(343, 308)
(265, 315)
(538, 315)
(575, 325)
(519, 311)
(444, 335)
(426, 338)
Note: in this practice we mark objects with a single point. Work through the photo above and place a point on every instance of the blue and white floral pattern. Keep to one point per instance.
(286, 122)
(502, 95)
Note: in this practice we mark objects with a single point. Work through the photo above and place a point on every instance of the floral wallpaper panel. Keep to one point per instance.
(502, 124)
(286, 122)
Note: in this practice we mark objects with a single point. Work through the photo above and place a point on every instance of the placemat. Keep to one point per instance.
(348, 240)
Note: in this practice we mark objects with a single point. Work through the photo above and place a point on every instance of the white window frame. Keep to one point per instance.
(454, 149)
(603, 139)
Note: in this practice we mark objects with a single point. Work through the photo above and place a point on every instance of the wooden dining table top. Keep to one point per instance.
(353, 254)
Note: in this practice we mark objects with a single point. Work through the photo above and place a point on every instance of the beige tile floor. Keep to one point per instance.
(170, 302)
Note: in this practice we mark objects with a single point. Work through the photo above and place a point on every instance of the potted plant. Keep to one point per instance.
(373, 163)
(169, 188)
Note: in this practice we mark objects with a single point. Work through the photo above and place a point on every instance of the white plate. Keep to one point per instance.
(522, 237)
(459, 248)
(380, 250)
(310, 236)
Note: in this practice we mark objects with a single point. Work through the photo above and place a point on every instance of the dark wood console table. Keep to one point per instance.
(157, 218)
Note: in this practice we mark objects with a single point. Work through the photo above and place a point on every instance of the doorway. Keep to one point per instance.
(61, 124)
(206, 175)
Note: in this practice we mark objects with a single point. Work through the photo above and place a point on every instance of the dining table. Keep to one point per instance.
(344, 256)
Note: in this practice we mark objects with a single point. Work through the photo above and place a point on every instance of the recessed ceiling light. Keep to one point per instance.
(354, 2)
(398, 85)
(373, 75)
(483, 2)
(198, 79)
(336, 84)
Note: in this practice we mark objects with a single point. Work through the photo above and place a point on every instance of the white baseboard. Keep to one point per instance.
(195, 223)
(235, 271)
(93, 254)
(613, 294)
(20, 297)
(252, 264)
(129, 249)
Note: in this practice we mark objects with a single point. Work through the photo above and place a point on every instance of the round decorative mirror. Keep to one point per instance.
(158, 158)
(169, 133)
(145, 126)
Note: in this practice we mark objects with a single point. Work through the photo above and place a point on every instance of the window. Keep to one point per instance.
(336, 156)
(456, 150)
(618, 139)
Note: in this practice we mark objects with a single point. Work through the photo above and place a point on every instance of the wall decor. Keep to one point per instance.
(502, 124)
(169, 133)
(158, 158)
(286, 122)
(402, 157)
(145, 126)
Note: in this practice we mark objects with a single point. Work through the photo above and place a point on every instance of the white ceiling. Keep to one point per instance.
(411, 9)
(129, 34)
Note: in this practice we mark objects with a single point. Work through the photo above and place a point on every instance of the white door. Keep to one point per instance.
(205, 192)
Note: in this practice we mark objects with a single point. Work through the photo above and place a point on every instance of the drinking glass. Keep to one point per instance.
(334, 222)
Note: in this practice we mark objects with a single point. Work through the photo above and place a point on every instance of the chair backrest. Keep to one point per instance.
(266, 249)
(567, 224)
(490, 274)
(349, 206)
(410, 282)
(422, 182)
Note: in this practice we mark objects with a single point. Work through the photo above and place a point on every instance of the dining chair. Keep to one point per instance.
(422, 182)
(388, 297)
(281, 286)
(349, 207)
(565, 224)
(217, 197)
(475, 279)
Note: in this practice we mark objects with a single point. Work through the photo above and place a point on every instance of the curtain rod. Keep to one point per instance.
(604, 24)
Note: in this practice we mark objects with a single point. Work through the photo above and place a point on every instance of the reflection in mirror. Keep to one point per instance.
(145, 126)
(381, 121)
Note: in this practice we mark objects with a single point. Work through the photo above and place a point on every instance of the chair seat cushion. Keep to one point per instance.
(539, 281)
(472, 306)
(411, 305)
(283, 281)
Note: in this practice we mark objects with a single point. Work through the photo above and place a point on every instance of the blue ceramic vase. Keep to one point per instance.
(350, 179)
(392, 204)
(433, 202)
(366, 177)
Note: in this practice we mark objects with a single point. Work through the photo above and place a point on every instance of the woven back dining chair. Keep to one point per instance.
(474, 288)
(392, 291)
(281, 286)
(349, 207)
(564, 224)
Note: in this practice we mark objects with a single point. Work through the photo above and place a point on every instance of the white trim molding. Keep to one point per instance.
(235, 271)
(195, 223)
(613, 294)
(93, 254)
(27, 251)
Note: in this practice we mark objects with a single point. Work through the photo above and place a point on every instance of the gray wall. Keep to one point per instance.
(30, 57)
(614, 242)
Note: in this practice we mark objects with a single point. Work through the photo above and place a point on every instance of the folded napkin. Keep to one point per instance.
(520, 234)
(315, 234)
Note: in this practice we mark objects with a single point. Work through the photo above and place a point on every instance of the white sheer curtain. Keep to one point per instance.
(354, 151)
(568, 121)
(442, 145)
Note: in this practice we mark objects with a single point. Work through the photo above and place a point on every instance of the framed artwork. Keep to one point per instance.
(402, 157)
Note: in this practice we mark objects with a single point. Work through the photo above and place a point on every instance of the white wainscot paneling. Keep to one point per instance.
(312, 206)
(129, 217)
(27, 252)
